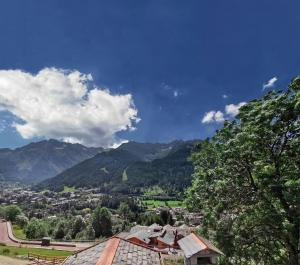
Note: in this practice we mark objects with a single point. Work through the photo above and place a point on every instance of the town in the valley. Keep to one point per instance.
(142, 230)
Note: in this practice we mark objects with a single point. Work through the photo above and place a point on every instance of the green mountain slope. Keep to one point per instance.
(131, 168)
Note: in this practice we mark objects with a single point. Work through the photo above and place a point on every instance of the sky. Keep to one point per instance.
(104, 72)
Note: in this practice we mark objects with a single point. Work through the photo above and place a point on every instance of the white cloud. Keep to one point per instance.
(213, 116)
(175, 93)
(224, 96)
(57, 103)
(270, 83)
(232, 109)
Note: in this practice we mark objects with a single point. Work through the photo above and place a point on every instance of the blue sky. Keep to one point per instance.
(177, 59)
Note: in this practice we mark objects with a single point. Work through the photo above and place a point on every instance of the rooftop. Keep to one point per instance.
(115, 251)
(194, 244)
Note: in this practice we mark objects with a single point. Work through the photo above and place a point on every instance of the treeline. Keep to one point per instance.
(114, 214)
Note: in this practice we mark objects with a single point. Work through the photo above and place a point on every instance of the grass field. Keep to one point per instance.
(23, 252)
(68, 189)
(18, 232)
(158, 203)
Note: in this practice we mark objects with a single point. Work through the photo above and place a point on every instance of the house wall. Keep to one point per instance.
(193, 260)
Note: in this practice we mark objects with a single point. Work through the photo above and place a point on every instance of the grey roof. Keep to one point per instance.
(137, 228)
(87, 257)
(168, 238)
(126, 253)
(142, 235)
(193, 244)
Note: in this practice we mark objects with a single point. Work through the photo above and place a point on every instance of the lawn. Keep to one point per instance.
(18, 232)
(161, 203)
(23, 252)
(68, 189)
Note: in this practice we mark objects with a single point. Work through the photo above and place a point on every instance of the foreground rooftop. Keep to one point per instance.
(115, 251)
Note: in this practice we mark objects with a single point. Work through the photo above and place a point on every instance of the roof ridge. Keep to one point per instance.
(200, 241)
(109, 252)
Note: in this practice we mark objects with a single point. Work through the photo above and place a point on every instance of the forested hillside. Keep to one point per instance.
(131, 168)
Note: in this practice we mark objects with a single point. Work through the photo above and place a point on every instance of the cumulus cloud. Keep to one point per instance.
(270, 83)
(231, 111)
(213, 116)
(224, 96)
(63, 104)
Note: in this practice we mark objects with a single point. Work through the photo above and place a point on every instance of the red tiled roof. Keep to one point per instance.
(108, 254)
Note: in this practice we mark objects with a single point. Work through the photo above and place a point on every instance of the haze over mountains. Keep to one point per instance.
(38, 161)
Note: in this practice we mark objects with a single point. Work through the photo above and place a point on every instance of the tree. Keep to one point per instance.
(11, 212)
(246, 181)
(21, 220)
(101, 222)
(78, 225)
(89, 232)
(35, 229)
(166, 217)
(60, 230)
(125, 211)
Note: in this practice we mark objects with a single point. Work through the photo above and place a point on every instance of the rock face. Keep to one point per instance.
(131, 168)
(41, 160)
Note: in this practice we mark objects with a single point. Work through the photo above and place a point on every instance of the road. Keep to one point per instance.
(11, 261)
(8, 238)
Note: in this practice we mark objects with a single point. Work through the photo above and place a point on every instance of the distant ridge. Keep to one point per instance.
(131, 168)
(40, 160)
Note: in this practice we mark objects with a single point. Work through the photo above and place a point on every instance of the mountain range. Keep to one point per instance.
(132, 168)
(41, 160)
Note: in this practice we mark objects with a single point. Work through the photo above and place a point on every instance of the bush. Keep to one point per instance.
(6, 251)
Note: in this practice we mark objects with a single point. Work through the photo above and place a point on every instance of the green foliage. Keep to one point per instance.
(150, 218)
(11, 212)
(150, 204)
(60, 230)
(166, 217)
(88, 233)
(77, 226)
(124, 211)
(101, 222)
(18, 232)
(21, 220)
(246, 182)
(35, 229)
(23, 251)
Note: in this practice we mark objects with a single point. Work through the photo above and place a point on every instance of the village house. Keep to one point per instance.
(198, 251)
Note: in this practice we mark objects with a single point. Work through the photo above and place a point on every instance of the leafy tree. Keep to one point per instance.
(35, 229)
(2, 212)
(101, 222)
(166, 217)
(11, 212)
(246, 181)
(60, 230)
(21, 220)
(150, 218)
(125, 211)
(88, 233)
(78, 225)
